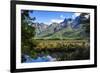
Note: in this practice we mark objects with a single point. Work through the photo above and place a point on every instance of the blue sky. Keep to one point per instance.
(48, 17)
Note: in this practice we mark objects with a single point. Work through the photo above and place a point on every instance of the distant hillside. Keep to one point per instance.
(68, 29)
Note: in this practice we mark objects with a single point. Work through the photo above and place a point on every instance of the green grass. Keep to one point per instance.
(58, 44)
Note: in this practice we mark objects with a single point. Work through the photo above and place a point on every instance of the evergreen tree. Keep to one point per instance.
(27, 32)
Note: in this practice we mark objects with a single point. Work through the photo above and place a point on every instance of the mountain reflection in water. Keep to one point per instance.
(46, 58)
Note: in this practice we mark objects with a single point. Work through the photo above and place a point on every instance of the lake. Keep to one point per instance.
(44, 58)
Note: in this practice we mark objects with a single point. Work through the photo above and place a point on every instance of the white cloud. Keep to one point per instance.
(75, 15)
(47, 23)
(61, 16)
(56, 20)
(87, 16)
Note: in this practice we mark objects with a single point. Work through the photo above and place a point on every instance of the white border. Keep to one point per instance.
(20, 65)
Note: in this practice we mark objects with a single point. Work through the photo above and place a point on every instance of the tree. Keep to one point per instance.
(27, 32)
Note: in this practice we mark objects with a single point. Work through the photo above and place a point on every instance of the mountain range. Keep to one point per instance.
(67, 29)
